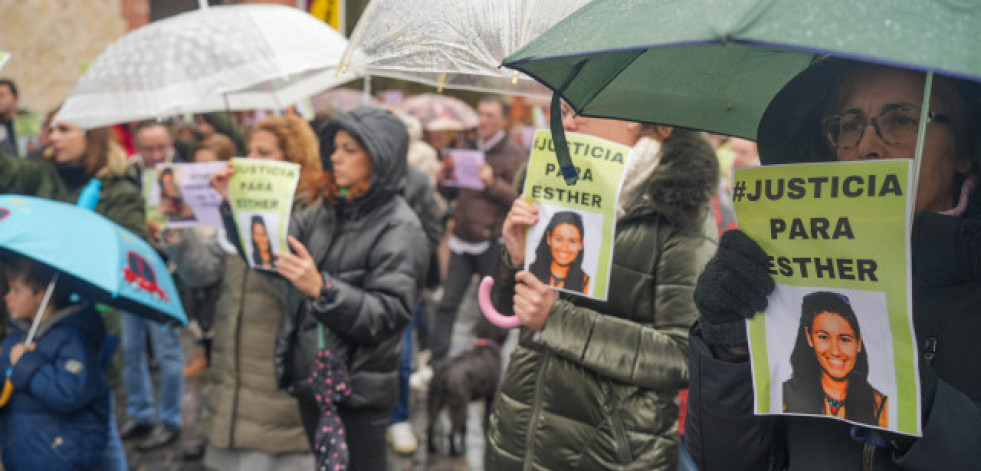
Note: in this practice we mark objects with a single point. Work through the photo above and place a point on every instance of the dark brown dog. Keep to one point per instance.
(470, 376)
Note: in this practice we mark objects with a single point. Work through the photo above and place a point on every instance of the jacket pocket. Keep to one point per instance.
(612, 406)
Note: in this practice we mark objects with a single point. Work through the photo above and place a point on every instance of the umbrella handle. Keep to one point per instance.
(8, 390)
(40, 309)
(496, 318)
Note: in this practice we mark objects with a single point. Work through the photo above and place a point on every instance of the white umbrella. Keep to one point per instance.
(452, 43)
(226, 57)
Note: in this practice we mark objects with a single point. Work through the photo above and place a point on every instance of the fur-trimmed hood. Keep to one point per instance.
(684, 181)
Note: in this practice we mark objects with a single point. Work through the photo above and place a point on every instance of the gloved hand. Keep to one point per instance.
(733, 287)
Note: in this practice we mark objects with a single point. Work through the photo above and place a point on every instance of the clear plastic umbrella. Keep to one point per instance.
(226, 57)
(342, 100)
(440, 112)
(452, 43)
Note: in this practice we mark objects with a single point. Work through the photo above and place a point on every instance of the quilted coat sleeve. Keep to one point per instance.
(651, 356)
(381, 306)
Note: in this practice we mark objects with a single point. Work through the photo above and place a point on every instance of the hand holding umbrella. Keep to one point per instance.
(115, 268)
(88, 199)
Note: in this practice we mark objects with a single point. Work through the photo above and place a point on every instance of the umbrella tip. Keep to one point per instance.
(570, 174)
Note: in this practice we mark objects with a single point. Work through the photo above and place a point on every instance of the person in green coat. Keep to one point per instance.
(594, 384)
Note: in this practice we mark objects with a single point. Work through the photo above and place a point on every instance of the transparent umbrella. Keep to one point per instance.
(341, 100)
(440, 112)
(226, 57)
(452, 43)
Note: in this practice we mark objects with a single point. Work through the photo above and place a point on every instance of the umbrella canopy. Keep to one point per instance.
(715, 65)
(452, 43)
(342, 100)
(440, 112)
(101, 260)
(225, 57)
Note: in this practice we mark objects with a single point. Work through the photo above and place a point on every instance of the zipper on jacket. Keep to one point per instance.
(868, 457)
(930, 347)
(623, 448)
(535, 406)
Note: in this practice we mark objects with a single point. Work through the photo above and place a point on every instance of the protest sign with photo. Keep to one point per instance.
(179, 195)
(462, 168)
(836, 339)
(260, 194)
(571, 246)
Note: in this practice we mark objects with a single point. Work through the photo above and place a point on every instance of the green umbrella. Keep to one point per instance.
(716, 64)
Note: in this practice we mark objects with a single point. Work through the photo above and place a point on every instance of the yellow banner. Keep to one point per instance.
(571, 246)
(331, 12)
(836, 339)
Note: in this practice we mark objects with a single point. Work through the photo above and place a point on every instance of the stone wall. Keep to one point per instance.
(50, 40)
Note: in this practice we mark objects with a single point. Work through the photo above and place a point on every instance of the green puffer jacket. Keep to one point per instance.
(244, 408)
(598, 388)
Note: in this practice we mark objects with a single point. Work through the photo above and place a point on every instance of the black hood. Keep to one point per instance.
(790, 129)
(385, 138)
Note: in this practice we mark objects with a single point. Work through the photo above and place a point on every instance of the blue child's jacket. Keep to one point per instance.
(58, 417)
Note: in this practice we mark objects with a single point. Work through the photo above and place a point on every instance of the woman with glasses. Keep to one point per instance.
(848, 111)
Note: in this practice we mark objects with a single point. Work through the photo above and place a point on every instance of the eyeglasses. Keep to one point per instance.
(895, 125)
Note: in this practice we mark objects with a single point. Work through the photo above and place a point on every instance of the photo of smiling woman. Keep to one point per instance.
(558, 258)
(831, 365)
(262, 250)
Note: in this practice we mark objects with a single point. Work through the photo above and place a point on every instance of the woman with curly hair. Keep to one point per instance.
(248, 421)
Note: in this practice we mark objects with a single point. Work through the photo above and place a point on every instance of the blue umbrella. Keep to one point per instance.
(97, 258)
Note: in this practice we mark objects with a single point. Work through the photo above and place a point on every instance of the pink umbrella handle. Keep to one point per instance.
(496, 318)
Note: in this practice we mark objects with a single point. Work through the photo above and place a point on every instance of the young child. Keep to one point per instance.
(57, 417)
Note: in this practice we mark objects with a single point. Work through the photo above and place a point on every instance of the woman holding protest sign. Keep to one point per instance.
(845, 110)
(356, 270)
(248, 421)
(593, 384)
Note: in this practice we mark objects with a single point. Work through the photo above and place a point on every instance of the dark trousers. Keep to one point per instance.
(458, 275)
(364, 430)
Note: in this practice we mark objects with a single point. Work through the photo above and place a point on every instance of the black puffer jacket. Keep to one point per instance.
(374, 252)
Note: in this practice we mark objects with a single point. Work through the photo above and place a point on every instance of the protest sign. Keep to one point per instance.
(179, 195)
(462, 168)
(836, 339)
(571, 246)
(260, 194)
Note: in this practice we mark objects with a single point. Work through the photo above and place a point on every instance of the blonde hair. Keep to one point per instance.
(299, 145)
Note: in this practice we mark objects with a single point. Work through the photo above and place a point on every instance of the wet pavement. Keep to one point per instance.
(170, 457)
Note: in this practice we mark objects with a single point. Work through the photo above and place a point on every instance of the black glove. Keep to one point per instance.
(733, 287)
(946, 250)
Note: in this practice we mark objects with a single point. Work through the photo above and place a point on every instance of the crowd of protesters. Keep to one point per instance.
(590, 385)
